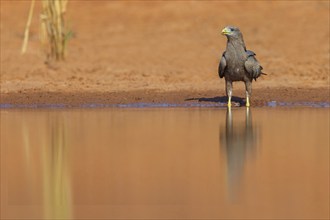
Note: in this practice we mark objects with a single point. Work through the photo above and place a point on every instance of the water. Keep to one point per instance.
(165, 163)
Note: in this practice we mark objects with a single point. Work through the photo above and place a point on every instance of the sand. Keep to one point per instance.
(166, 52)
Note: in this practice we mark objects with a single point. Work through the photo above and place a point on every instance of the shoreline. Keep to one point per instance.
(182, 98)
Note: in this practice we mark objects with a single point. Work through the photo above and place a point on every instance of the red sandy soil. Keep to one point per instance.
(136, 51)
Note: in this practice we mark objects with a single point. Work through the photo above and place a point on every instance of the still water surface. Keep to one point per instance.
(165, 163)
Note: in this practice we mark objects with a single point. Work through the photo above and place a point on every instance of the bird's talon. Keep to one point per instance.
(247, 104)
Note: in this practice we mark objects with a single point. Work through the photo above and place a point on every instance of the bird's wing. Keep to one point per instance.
(222, 66)
(252, 66)
(250, 53)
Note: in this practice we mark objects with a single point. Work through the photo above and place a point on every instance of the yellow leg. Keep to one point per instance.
(229, 102)
(247, 102)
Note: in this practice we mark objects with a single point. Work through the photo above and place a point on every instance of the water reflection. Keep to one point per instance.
(53, 158)
(164, 163)
(237, 144)
(57, 191)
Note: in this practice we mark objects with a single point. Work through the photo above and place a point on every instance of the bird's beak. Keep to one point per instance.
(225, 31)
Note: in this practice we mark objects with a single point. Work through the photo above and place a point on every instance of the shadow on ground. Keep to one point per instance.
(219, 99)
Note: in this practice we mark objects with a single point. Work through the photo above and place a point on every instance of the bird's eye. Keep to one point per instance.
(232, 29)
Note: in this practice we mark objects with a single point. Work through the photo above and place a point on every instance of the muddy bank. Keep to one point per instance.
(75, 99)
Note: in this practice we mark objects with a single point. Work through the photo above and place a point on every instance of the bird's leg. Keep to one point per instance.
(248, 91)
(229, 91)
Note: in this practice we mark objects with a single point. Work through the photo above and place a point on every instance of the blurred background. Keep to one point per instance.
(176, 45)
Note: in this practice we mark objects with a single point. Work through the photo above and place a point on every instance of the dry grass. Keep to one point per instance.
(53, 32)
(26, 32)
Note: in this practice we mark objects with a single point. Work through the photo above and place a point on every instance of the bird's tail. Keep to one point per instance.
(261, 73)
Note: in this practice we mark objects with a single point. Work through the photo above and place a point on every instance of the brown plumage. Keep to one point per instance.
(237, 63)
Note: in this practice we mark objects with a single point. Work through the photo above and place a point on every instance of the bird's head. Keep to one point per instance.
(231, 32)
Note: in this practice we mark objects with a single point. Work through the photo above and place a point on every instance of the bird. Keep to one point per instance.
(238, 64)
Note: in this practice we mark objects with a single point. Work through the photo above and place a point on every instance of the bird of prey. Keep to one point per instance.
(238, 64)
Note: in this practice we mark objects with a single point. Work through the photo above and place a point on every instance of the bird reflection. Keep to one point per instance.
(237, 144)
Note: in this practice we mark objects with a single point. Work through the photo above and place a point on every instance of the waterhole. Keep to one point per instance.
(165, 163)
